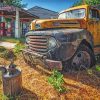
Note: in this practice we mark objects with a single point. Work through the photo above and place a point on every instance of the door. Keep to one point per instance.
(94, 28)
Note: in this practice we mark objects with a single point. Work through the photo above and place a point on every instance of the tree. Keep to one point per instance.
(89, 2)
(16, 3)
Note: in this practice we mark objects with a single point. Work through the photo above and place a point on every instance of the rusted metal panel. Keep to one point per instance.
(66, 51)
(38, 59)
(69, 41)
(53, 64)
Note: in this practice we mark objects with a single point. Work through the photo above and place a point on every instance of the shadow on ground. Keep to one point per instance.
(91, 79)
(27, 95)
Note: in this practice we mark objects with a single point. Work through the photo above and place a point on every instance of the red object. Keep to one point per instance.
(24, 20)
(9, 30)
(2, 28)
(2, 25)
(2, 32)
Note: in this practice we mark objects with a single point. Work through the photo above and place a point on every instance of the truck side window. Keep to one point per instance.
(94, 14)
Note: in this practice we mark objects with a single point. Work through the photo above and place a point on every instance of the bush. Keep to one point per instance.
(56, 80)
(12, 39)
(2, 49)
(8, 54)
(18, 48)
(98, 68)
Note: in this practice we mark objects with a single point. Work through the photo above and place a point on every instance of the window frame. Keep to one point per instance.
(74, 9)
(98, 14)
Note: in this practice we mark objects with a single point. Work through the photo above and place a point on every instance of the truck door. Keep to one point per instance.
(94, 27)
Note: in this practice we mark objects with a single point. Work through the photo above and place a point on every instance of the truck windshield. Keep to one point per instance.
(73, 14)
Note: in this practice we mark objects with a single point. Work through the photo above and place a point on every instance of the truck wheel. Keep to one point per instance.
(83, 58)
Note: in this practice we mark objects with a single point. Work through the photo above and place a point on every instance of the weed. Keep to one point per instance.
(8, 54)
(2, 49)
(56, 80)
(4, 97)
(12, 39)
(18, 48)
(98, 68)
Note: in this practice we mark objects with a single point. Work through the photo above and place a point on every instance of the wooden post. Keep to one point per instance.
(17, 24)
(12, 84)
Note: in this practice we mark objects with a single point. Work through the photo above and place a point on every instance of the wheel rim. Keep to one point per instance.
(81, 60)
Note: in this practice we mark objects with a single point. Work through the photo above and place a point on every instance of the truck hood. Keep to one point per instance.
(57, 23)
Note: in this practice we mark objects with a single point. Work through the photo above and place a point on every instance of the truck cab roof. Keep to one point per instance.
(81, 6)
(76, 7)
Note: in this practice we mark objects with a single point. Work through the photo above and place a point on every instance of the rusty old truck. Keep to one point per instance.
(70, 41)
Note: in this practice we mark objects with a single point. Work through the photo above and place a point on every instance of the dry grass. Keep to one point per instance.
(82, 86)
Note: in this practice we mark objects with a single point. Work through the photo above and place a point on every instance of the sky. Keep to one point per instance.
(55, 5)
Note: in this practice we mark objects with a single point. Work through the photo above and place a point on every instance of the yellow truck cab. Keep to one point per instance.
(71, 41)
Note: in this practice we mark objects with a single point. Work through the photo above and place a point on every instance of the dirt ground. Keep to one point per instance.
(81, 85)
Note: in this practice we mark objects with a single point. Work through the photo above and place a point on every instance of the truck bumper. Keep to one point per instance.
(37, 59)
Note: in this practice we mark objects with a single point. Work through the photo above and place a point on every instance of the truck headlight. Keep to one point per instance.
(37, 26)
(52, 43)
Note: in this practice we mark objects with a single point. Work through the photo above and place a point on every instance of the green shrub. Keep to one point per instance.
(12, 39)
(18, 48)
(2, 49)
(8, 54)
(98, 68)
(56, 80)
(4, 97)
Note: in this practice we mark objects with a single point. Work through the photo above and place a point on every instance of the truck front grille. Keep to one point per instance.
(38, 44)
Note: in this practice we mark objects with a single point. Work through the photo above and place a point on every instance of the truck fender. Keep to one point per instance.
(70, 48)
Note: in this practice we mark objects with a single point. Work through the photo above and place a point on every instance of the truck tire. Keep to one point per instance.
(83, 59)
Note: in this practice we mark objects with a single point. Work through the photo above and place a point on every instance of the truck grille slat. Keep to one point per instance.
(38, 43)
(37, 37)
(38, 40)
(38, 46)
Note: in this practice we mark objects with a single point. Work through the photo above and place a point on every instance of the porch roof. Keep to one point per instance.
(11, 11)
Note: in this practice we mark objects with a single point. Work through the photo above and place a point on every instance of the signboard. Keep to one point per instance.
(7, 8)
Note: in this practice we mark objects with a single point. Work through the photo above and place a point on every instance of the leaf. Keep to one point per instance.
(16, 3)
(98, 68)
(56, 80)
